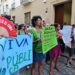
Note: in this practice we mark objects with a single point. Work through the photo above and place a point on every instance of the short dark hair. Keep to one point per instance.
(34, 19)
(56, 25)
(20, 26)
(7, 16)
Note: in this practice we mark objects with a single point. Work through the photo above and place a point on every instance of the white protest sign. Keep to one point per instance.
(66, 33)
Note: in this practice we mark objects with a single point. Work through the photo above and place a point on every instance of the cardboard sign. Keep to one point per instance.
(7, 27)
(16, 53)
(49, 39)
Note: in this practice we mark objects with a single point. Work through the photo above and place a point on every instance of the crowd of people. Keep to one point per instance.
(53, 55)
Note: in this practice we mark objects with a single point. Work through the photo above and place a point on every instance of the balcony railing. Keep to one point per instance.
(24, 2)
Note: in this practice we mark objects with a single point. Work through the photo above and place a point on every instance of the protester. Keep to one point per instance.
(21, 29)
(73, 38)
(55, 53)
(16, 27)
(47, 58)
(61, 40)
(73, 32)
(72, 50)
(9, 18)
(47, 54)
(37, 55)
(68, 45)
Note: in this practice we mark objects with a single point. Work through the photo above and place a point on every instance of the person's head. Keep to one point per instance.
(7, 17)
(21, 26)
(57, 26)
(64, 23)
(25, 27)
(73, 25)
(43, 22)
(36, 21)
(16, 27)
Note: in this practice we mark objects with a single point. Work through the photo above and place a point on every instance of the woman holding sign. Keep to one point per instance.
(55, 53)
(37, 55)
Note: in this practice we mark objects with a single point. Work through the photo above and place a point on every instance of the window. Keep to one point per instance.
(28, 18)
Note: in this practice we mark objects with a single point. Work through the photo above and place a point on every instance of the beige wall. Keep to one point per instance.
(67, 13)
(73, 12)
(19, 14)
(52, 10)
(37, 7)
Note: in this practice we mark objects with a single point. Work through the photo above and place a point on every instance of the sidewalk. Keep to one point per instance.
(64, 70)
(66, 55)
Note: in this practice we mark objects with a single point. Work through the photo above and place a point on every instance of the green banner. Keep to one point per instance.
(49, 39)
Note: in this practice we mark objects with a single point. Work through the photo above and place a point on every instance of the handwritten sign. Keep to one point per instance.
(66, 31)
(49, 39)
(16, 53)
(7, 27)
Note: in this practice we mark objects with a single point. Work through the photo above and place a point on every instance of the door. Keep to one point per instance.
(59, 14)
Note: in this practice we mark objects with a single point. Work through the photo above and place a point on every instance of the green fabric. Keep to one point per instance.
(37, 46)
(48, 35)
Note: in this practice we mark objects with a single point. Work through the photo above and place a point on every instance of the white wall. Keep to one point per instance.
(0, 2)
(17, 3)
(1, 8)
(9, 2)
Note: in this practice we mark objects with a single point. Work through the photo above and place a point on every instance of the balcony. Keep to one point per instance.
(25, 2)
(13, 6)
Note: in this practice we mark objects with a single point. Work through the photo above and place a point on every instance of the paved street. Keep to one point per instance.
(64, 70)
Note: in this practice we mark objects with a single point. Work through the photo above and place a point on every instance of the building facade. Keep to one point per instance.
(4, 7)
(29, 8)
(52, 11)
(7, 5)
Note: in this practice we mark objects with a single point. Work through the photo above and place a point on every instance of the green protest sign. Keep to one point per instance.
(49, 39)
